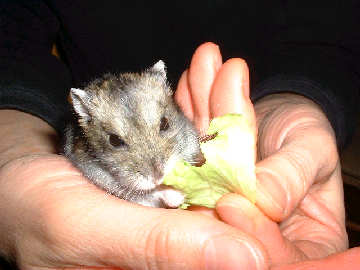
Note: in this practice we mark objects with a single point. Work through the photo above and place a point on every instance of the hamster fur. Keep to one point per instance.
(128, 133)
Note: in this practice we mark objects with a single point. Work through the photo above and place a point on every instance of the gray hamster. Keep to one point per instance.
(128, 133)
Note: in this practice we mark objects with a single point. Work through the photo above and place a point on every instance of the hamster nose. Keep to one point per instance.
(200, 159)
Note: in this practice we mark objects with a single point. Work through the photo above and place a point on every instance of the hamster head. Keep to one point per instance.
(133, 128)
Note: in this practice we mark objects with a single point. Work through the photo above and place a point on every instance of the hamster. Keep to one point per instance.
(128, 133)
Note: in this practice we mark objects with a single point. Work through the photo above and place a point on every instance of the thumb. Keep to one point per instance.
(293, 156)
(91, 229)
(138, 237)
(73, 223)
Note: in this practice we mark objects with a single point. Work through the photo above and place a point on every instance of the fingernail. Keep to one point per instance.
(230, 254)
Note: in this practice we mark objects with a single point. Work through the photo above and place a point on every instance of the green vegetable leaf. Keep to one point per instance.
(229, 166)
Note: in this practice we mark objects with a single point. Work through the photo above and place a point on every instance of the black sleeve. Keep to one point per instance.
(315, 51)
(31, 78)
(303, 47)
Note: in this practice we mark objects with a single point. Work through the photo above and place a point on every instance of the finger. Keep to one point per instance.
(112, 232)
(141, 238)
(349, 260)
(297, 148)
(204, 210)
(230, 92)
(183, 96)
(285, 177)
(205, 63)
(239, 212)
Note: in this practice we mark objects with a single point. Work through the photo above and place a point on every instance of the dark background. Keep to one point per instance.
(350, 161)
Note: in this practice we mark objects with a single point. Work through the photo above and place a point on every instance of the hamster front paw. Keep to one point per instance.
(171, 198)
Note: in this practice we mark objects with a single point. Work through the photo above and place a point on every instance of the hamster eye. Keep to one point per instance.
(164, 124)
(116, 141)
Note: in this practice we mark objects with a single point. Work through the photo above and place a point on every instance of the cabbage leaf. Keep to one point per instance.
(229, 166)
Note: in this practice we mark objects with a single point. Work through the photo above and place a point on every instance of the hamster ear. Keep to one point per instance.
(80, 100)
(159, 67)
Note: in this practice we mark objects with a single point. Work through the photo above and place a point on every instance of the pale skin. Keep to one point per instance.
(51, 217)
(299, 179)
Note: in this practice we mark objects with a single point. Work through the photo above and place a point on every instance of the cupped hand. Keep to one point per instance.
(299, 213)
(51, 217)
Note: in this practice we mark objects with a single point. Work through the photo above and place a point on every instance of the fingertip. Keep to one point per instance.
(230, 93)
(242, 65)
(210, 52)
(231, 89)
(231, 198)
(204, 66)
(238, 211)
(271, 196)
(204, 211)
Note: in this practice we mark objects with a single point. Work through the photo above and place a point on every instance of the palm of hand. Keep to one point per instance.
(55, 200)
(55, 218)
(66, 221)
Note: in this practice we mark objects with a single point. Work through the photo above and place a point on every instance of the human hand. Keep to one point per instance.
(299, 214)
(52, 217)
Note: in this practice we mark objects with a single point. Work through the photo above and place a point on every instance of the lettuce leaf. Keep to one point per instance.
(229, 166)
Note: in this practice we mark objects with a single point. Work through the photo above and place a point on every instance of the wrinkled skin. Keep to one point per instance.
(52, 218)
(299, 214)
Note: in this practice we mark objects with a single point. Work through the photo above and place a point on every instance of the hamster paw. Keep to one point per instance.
(172, 198)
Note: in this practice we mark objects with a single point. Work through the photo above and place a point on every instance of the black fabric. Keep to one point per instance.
(306, 47)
